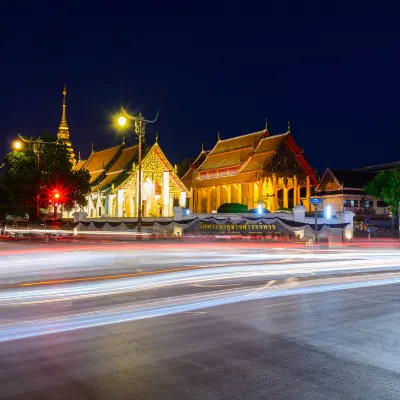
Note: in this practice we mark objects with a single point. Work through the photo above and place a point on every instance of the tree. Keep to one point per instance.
(184, 166)
(386, 186)
(36, 170)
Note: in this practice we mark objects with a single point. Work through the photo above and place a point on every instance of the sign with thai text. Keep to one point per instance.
(315, 200)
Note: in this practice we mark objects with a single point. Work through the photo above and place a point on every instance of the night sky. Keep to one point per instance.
(334, 73)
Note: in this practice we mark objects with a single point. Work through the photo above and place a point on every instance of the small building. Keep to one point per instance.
(343, 190)
(252, 169)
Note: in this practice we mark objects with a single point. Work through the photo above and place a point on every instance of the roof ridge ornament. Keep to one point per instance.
(92, 147)
(288, 126)
(202, 147)
(157, 137)
(218, 137)
(79, 156)
(266, 124)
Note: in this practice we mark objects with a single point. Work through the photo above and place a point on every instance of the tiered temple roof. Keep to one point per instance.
(111, 167)
(244, 158)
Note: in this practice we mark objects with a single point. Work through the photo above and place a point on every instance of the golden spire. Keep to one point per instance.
(63, 130)
(202, 147)
(266, 124)
(218, 138)
(288, 126)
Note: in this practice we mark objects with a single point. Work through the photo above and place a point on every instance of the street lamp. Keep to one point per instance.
(140, 125)
(18, 144)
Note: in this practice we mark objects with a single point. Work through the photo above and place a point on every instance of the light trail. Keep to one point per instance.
(80, 288)
(38, 327)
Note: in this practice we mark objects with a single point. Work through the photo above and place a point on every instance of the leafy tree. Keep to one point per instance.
(184, 166)
(36, 170)
(386, 186)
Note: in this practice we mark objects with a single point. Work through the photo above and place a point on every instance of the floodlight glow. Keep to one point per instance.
(187, 212)
(17, 145)
(328, 212)
(259, 209)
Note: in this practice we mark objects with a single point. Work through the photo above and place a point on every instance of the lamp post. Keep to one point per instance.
(140, 125)
(17, 144)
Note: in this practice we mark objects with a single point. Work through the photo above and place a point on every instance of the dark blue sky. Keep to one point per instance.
(333, 72)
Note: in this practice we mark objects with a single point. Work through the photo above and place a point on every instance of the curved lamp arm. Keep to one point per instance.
(133, 118)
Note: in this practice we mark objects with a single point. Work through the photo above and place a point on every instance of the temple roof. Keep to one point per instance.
(98, 160)
(270, 143)
(188, 176)
(252, 154)
(80, 164)
(353, 179)
(231, 152)
(225, 160)
(238, 142)
(125, 159)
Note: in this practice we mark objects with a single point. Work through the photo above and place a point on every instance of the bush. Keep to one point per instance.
(232, 208)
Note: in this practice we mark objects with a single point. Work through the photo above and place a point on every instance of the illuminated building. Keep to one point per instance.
(252, 169)
(114, 181)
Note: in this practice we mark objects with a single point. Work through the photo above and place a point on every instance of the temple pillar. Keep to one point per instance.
(209, 195)
(111, 210)
(131, 206)
(120, 200)
(199, 199)
(296, 199)
(275, 193)
(229, 192)
(285, 197)
(182, 199)
(256, 194)
(218, 194)
(165, 194)
(250, 202)
(240, 193)
(191, 201)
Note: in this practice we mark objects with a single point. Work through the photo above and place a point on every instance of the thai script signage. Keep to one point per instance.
(243, 228)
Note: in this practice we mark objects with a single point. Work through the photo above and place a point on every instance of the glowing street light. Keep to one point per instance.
(140, 124)
(17, 145)
(121, 121)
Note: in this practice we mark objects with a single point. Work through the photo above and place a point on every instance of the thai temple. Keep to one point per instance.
(114, 179)
(253, 169)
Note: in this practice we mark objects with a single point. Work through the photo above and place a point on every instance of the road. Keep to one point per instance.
(198, 321)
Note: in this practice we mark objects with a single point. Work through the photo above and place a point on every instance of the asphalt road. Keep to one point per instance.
(240, 323)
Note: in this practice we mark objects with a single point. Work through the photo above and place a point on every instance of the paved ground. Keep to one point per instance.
(338, 345)
(319, 326)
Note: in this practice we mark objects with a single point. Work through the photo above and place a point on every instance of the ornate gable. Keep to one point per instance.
(284, 160)
(152, 163)
(328, 182)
